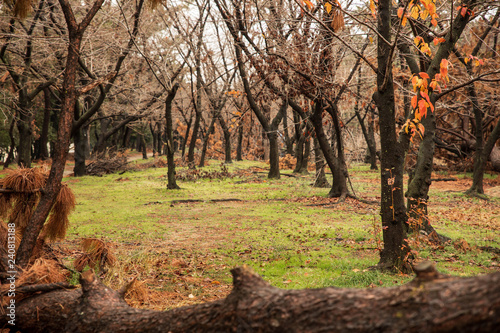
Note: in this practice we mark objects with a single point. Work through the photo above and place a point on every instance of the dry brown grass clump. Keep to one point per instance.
(136, 294)
(22, 193)
(288, 162)
(158, 162)
(97, 253)
(58, 222)
(107, 166)
(43, 271)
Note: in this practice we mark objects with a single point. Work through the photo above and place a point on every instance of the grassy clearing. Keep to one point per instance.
(284, 229)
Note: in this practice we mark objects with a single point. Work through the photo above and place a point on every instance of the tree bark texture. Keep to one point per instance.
(172, 184)
(418, 188)
(392, 207)
(210, 130)
(239, 146)
(339, 181)
(430, 303)
(480, 161)
(227, 139)
(44, 135)
(320, 178)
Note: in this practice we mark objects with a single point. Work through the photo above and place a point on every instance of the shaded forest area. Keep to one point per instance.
(410, 88)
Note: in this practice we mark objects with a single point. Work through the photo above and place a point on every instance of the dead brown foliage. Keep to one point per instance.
(58, 221)
(136, 293)
(97, 253)
(42, 271)
(22, 194)
(107, 166)
(195, 174)
(287, 162)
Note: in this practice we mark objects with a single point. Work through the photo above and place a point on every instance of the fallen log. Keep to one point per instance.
(430, 303)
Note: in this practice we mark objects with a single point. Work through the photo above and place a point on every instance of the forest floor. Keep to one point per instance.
(179, 245)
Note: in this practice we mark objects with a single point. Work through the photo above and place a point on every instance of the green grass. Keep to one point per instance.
(276, 229)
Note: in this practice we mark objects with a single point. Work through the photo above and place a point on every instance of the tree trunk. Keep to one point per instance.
(478, 155)
(302, 149)
(420, 179)
(392, 207)
(153, 133)
(430, 303)
(101, 144)
(274, 156)
(68, 98)
(210, 131)
(239, 146)
(79, 142)
(307, 153)
(194, 136)
(44, 135)
(480, 162)
(339, 182)
(126, 138)
(288, 139)
(159, 141)
(320, 179)
(227, 140)
(25, 140)
(186, 138)
(172, 184)
(369, 142)
(144, 148)
(10, 155)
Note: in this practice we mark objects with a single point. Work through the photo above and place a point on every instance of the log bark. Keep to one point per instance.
(430, 303)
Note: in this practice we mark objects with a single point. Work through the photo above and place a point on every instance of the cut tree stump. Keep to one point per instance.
(430, 303)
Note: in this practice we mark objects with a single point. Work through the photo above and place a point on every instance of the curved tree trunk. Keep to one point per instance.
(430, 303)
(339, 182)
(420, 179)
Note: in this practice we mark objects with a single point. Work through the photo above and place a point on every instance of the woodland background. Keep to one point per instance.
(410, 88)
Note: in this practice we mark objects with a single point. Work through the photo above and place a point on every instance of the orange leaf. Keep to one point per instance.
(400, 12)
(463, 12)
(422, 108)
(436, 40)
(418, 117)
(328, 7)
(424, 75)
(421, 128)
(426, 96)
(414, 101)
(309, 4)
(443, 68)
